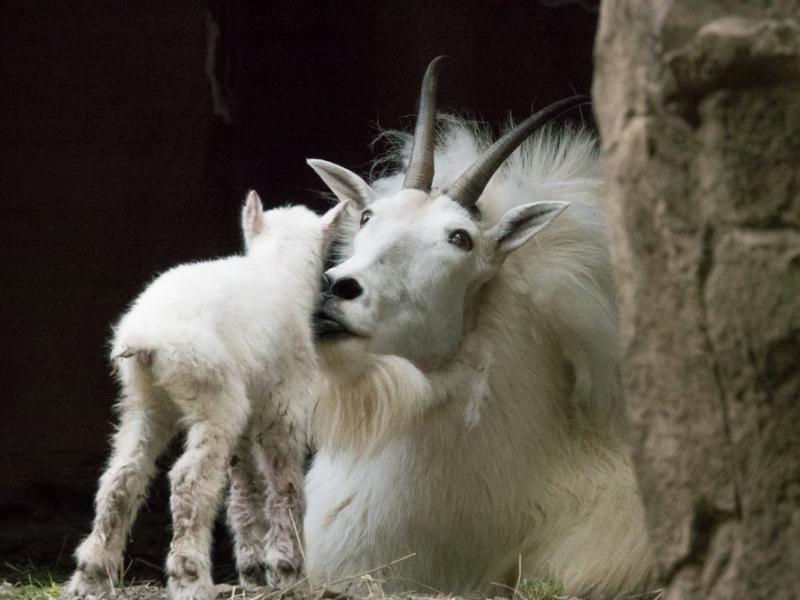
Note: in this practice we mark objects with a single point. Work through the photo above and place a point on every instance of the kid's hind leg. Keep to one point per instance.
(279, 453)
(245, 515)
(197, 480)
(146, 427)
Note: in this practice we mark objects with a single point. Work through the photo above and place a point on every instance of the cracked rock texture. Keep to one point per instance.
(698, 105)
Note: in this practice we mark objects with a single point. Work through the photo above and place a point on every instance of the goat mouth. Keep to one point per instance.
(327, 327)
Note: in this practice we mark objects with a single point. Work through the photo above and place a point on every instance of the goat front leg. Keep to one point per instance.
(245, 515)
(197, 481)
(141, 438)
(279, 456)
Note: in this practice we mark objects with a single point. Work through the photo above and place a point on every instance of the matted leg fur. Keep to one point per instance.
(279, 454)
(197, 480)
(142, 436)
(245, 515)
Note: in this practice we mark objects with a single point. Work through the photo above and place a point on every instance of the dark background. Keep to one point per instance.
(117, 162)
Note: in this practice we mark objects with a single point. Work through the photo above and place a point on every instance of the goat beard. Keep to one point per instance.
(363, 402)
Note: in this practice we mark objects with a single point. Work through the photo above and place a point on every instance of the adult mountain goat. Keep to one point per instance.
(222, 349)
(472, 412)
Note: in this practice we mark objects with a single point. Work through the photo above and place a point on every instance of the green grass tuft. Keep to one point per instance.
(538, 589)
(29, 583)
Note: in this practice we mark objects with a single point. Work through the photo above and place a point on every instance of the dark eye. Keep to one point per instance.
(461, 239)
(365, 216)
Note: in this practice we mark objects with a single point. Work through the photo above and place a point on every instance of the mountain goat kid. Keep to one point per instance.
(223, 350)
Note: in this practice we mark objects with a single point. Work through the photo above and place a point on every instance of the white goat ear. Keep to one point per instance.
(330, 220)
(520, 224)
(252, 217)
(345, 184)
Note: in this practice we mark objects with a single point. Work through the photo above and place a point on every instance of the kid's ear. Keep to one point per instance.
(332, 220)
(345, 184)
(252, 217)
(520, 224)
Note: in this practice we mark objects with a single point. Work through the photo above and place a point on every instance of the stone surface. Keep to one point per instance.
(698, 106)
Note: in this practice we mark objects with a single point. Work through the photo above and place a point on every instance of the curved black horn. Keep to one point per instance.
(420, 168)
(468, 188)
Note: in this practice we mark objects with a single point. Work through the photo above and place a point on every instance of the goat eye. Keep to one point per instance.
(365, 216)
(461, 239)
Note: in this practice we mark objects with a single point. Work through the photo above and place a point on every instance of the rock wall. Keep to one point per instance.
(698, 106)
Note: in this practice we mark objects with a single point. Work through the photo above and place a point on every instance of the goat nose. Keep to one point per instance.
(346, 288)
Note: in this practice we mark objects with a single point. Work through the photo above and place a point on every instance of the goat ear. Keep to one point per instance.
(331, 221)
(345, 184)
(252, 217)
(520, 224)
(331, 225)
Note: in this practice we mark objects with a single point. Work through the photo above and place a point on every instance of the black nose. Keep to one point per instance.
(346, 288)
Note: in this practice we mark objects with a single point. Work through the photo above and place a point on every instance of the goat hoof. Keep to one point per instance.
(282, 574)
(201, 588)
(285, 567)
(252, 575)
(189, 576)
(82, 585)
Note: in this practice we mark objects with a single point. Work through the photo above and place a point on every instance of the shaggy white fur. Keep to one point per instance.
(222, 350)
(511, 448)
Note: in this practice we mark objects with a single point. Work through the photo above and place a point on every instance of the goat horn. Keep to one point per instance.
(420, 168)
(468, 188)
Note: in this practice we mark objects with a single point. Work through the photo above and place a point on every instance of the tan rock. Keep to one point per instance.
(698, 105)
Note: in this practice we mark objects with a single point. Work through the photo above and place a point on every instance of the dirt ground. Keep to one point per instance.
(30, 582)
(47, 589)
(149, 591)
